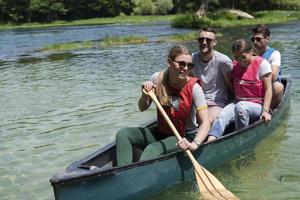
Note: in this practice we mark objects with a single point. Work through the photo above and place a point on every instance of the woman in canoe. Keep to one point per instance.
(252, 85)
(183, 100)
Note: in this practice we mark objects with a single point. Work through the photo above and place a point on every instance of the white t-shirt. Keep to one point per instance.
(275, 58)
(199, 102)
(264, 68)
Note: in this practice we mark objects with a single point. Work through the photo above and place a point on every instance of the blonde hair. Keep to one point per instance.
(163, 90)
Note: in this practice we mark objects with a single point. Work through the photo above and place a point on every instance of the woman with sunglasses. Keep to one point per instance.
(252, 77)
(183, 100)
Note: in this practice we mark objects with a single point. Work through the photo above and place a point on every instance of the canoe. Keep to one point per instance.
(97, 177)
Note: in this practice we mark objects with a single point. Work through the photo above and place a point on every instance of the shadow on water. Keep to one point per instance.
(60, 56)
(33, 59)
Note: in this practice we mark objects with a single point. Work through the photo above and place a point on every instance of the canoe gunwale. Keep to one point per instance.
(73, 174)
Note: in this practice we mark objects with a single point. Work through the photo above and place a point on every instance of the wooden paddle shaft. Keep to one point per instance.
(154, 98)
(178, 136)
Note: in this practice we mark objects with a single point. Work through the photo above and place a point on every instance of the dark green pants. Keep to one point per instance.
(152, 144)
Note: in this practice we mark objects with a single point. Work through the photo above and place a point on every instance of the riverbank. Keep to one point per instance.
(121, 19)
(224, 18)
(217, 19)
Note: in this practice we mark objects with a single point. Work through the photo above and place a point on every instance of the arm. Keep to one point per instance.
(267, 81)
(228, 80)
(202, 116)
(275, 72)
(145, 100)
(275, 61)
(226, 71)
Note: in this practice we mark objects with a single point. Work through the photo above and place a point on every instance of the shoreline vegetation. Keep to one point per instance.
(121, 19)
(107, 41)
(218, 19)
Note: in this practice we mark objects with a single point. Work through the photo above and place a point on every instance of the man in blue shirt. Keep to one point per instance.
(261, 38)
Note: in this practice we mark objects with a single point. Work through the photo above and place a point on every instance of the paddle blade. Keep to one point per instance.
(219, 187)
(207, 194)
(209, 186)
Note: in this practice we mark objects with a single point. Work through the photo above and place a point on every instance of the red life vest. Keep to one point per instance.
(247, 86)
(178, 115)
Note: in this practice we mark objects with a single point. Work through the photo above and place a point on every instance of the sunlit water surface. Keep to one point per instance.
(57, 108)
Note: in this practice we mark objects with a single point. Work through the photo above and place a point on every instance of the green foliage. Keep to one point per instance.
(275, 15)
(191, 21)
(22, 11)
(186, 6)
(46, 11)
(132, 19)
(163, 6)
(222, 14)
(107, 41)
(131, 39)
(84, 9)
(263, 17)
(126, 6)
(144, 7)
(257, 5)
(13, 10)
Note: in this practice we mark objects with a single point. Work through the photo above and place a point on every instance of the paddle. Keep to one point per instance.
(209, 186)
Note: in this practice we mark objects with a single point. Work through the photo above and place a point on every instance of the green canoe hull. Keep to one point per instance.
(143, 179)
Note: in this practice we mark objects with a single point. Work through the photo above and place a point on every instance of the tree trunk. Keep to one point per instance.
(203, 8)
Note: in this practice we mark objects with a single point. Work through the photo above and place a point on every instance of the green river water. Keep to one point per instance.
(58, 107)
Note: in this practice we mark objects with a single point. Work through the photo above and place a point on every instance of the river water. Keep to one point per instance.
(58, 107)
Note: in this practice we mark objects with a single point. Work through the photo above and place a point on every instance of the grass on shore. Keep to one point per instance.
(107, 41)
(216, 20)
(221, 19)
(121, 19)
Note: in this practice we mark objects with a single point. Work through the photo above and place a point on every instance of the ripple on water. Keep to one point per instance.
(57, 108)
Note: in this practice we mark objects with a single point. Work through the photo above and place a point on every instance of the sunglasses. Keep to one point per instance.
(183, 64)
(257, 39)
(201, 40)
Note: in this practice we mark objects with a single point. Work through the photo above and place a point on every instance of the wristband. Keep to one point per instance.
(268, 110)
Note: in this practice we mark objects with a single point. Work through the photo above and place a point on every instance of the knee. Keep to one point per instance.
(122, 134)
(241, 109)
(153, 150)
(220, 118)
(277, 88)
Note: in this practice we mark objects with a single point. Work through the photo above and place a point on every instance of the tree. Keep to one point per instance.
(144, 7)
(203, 8)
(14, 10)
(46, 11)
(126, 6)
(163, 6)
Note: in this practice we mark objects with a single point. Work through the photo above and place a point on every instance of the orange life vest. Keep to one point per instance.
(180, 113)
